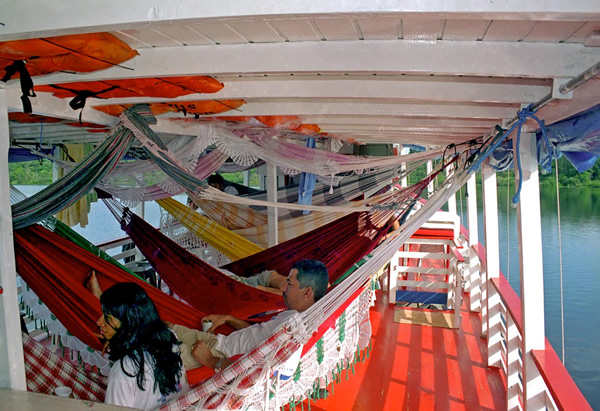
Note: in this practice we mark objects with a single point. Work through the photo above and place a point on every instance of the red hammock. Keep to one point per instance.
(55, 269)
(338, 245)
(197, 282)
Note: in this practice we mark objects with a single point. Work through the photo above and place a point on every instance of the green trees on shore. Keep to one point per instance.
(31, 172)
(40, 173)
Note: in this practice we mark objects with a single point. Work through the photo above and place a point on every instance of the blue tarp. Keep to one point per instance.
(307, 182)
(17, 155)
(577, 138)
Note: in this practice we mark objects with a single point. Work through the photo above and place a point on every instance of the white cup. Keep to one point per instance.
(62, 391)
(206, 325)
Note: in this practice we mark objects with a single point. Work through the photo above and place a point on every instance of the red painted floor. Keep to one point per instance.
(415, 367)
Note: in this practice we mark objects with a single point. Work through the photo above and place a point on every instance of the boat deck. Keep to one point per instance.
(416, 367)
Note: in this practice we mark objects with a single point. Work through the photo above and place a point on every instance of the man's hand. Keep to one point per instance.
(202, 354)
(220, 319)
(217, 321)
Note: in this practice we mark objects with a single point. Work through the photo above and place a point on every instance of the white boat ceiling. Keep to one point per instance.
(419, 72)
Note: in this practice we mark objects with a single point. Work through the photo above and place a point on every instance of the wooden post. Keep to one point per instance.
(12, 368)
(531, 268)
(272, 197)
(491, 312)
(474, 281)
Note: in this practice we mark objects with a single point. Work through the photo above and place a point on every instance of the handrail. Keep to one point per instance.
(558, 380)
(457, 255)
(511, 300)
(114, 242)
(559, 383)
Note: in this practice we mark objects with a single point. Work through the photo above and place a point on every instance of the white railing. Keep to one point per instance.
(115, 248)
(557, 390)
(447, 277)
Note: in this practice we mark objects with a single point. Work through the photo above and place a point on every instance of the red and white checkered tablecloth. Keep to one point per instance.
(45, 371)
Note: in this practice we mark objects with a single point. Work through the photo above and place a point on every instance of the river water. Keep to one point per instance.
(580, 233)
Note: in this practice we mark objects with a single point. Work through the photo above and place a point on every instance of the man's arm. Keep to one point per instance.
(220, 319)
(277, 281)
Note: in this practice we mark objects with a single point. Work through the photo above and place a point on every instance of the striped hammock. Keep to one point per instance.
(75, 184)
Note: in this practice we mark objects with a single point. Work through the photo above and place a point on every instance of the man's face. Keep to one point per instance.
(217, 186)
(292, 294)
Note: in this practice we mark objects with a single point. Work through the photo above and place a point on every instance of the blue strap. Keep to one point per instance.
(522, 116)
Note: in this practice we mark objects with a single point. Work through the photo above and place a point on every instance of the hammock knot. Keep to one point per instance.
(297, 329)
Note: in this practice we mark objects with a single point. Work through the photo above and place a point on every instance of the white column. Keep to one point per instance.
(247, 178)
(12, 368)
(272, 196)
(430, 185)
(532, 273)
(404, 180)
(490, 313)
(474, 282)
(452, 199)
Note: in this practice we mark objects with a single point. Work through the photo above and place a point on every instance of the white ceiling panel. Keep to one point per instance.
(467, 30)
(256, 32)
(341, 28)
(133, 42)
(585, 30)
(422, 28)
(380, 28)
(553, 31)
(219, 33)
(503, 30)
(184, 34)
(151, 37)
(296, 29)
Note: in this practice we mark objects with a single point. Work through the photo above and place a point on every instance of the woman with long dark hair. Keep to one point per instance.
(147, 369)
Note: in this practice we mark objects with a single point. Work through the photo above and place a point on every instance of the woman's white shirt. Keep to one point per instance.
(123, 389)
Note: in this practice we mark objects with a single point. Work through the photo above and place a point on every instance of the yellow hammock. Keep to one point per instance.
(242, 243)
(227, 242)
(232, 216)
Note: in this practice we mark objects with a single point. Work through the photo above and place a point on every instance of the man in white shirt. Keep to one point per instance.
(217, 181)
(306, 284)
